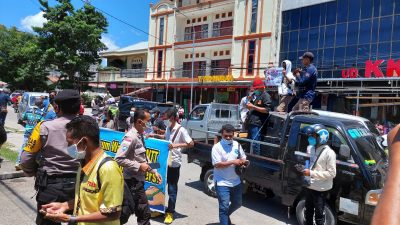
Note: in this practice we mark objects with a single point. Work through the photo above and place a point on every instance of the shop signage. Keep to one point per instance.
(373, 68)
(230, 89)
(211, 79)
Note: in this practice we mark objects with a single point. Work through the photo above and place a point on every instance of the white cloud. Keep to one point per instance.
(109, 43)
(30, 21)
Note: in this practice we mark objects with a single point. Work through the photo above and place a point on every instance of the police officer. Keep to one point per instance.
(132, 157)
(45, 155)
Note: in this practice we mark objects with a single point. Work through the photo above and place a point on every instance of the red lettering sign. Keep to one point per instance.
(391, 67)
(373, 68)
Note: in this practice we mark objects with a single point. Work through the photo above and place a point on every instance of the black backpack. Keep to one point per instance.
(128, 204)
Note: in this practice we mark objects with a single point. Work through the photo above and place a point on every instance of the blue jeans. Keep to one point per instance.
(26, 137)
(226, 195)
(255, 134)
(172, 181)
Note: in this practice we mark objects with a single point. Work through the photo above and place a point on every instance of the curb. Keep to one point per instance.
(11, 175)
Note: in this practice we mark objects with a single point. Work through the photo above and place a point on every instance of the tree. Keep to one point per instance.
(21, 65)
(71, 39)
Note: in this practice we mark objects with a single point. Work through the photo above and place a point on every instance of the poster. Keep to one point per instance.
(157, 152)
(273, 76)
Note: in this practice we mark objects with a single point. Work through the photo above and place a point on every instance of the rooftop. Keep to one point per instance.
(140, 47)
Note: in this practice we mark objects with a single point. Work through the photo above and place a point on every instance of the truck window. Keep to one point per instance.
(198, 113)
(220, 113)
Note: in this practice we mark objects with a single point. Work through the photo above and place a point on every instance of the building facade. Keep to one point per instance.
(227, 43)
(125, 71)
(356, 44)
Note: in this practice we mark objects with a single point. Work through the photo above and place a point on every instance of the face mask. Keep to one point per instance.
(312, 141)
(226, 142)
(257, 92)
(148, 125)
(132, 113)
(74, 152)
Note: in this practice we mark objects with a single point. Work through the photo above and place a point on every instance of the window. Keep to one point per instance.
(293, 40)
(159, 63)
(220, 67)
(354, 10)
(188, 33)
(303, 39)
(322, 18)
(227, 52)
(342, 10)
(199, 20)
(230, 14)
(331, 13)
(222, 28)
(366, 9)
(305, 18)
(187, 21)
(205, 18)
(203, 54)
(328, 57)
(215, 53)
(161, 35)
(198, 113)
(294, 19)
(193, 20)
(254, 9)
(376, 8)
(339, 57)
(221, 53)
(221, 113)
(314, 20)
(397, 7)
(365, 32)
(396, 27)
(352, 33)
(197, 55)
(375, 27)
(250, 57)
(186, 56)
(217, 16)
(362, 54)
(387, 7)
(329, 36)
(351, 56)
(385, 29)
(285, 41)
(396, 50)
(341, 34)
(384, 50)
(223, 15)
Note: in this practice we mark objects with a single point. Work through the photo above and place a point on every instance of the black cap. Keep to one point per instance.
(155, 110)
(309, 55)
(67, 94)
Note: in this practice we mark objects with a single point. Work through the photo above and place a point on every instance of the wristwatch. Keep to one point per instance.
(72, 219)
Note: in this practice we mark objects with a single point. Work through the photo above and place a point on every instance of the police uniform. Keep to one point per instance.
(45, 155)
(130, 155)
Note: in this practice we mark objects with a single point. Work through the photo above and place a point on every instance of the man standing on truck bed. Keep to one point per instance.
(321, 173)
(259, 107)
(226, 155)
(306, 82)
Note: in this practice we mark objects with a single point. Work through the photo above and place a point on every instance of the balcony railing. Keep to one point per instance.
(133, 73)
(206, 34)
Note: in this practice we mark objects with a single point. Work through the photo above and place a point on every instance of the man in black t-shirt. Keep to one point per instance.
(259, 107)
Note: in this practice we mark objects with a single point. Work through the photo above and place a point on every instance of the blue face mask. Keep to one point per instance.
(226, 142)
(312, 141)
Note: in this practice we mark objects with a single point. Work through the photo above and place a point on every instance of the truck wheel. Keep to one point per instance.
(330, 218)
(209, 185)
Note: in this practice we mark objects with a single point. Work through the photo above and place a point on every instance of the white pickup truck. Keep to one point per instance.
(211, 117)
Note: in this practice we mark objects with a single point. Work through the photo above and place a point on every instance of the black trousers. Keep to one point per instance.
(142, 210)
(315, 204)
(56, 190)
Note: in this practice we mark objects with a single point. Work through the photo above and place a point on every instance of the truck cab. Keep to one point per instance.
(361, 165)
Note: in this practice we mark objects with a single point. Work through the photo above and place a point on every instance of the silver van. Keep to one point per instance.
(27, 102)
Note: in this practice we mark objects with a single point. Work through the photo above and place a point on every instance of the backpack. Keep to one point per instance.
(128, 204)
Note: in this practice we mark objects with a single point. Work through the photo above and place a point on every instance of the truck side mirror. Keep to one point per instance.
(344, 151)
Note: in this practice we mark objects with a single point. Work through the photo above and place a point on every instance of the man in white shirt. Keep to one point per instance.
(286, 88)
(321, 173)
(226, 155)
(178, 138)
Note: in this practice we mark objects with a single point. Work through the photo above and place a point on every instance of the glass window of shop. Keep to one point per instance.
(342, 34)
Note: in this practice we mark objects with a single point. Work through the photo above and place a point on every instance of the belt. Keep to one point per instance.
(62, 175)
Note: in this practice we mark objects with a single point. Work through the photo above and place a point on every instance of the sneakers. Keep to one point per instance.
(169, 218)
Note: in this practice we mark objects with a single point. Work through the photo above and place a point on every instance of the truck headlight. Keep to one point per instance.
(372, 197)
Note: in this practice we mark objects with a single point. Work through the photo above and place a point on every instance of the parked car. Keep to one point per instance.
(361, 165)
(27, 102)
(211, 117)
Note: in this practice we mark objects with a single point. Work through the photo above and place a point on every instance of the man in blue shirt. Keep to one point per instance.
(4, 100)
(306, 81)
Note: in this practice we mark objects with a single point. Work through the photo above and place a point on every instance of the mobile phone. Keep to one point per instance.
(154, 165)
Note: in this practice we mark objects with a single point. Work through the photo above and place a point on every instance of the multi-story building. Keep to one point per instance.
(228, 43)
(125, 71)
(356, 44)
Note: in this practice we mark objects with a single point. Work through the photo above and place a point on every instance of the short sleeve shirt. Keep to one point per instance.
(181, 137)
(257, 118)
(223, 153)
(107, 199)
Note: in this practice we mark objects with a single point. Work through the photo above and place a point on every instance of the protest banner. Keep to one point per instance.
(273, 76)
(157, 153)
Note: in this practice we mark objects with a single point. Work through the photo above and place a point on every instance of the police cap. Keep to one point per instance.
(67, 94)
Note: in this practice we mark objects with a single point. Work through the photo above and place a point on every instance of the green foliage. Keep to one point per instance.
(87, 99)
(71, 39)
(21, 64)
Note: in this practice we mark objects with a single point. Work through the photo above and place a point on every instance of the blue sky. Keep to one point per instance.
(24, 13)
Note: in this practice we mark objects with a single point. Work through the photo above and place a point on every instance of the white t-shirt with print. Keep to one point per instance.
(181, 137)
(223, 153)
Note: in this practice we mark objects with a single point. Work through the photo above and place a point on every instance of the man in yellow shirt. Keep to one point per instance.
(99, 187)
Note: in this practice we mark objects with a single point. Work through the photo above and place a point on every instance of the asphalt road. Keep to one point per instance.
(193, 206)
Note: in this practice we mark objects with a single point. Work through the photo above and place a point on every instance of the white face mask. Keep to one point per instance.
(74, 152)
